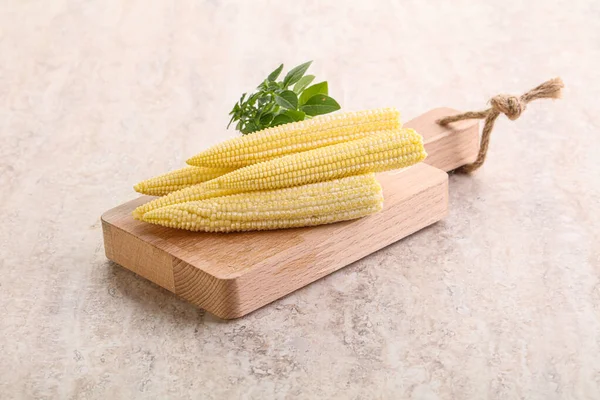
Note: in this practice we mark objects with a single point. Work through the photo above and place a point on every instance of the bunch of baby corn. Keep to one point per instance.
(306, 173)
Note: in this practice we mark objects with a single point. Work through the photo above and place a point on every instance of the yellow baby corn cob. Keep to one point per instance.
(178, 179)
(380, 151)
(297, 137)
(314, 204)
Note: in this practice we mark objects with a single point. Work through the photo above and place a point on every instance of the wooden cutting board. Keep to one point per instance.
(233, 274)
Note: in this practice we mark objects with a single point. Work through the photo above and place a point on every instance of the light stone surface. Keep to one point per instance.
(501, 300)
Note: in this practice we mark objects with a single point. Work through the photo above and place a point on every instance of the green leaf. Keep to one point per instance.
(281, 119)
(275, 74)
(270, 107)
(252, 99)
(295, 115)
(249, 128)
(265, 119)
(317, 88)
(262, 101)
(295, 74)
(302, 83)
(274, 86)
(320, 104)
(230, 121)
(287, 99)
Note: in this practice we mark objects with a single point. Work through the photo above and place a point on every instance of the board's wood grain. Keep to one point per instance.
(231, 275)
(217, 295)
(137, 254)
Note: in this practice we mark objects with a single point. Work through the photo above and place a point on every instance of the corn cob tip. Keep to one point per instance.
(153, 216)
(138, 213)
(178, 179)
(418, 140)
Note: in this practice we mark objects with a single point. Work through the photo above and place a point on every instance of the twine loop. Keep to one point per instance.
(511, 106)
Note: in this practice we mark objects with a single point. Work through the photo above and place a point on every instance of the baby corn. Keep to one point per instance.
(297, 137)
(314, 204)
(380, 151)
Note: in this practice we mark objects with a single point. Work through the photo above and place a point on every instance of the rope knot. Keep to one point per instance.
(511, 106)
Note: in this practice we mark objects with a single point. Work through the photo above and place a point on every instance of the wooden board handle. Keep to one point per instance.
(448, 147)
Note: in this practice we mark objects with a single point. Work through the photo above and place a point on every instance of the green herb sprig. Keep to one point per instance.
(278, 102)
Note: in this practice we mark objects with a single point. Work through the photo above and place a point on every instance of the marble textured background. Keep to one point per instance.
(501, 300)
